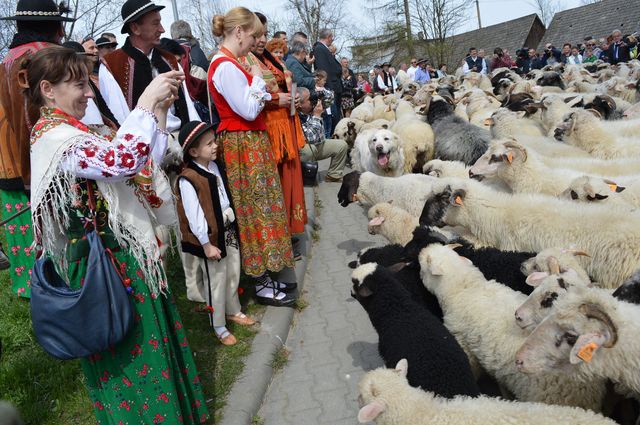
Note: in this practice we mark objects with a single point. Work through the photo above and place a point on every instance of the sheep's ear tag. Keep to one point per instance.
(586, 352)
(458, 200)
(510, 157)
(354, 198)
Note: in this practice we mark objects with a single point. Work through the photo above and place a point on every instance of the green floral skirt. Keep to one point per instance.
(19, 240)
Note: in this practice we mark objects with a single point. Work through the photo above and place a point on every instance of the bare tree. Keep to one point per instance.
(7, 28)
(590, 1)
(92, 17)
(314, 15)
(200, 13)
(546, 9)
(438, 20)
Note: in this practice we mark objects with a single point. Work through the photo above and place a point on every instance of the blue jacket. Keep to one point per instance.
(301, 75)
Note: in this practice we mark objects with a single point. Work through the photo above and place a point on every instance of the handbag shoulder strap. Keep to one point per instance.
(92, 204)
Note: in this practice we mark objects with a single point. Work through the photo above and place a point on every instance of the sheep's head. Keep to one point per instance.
(440, 260)
(364, 285)
(377, 386)
(382, 144)
(591, 189)
(501, 157)
(567, 258)
(437, 206)
(574, 334)
(439, 169)
(377, 216)
(566, 128)
(548, 288)
(349, 188)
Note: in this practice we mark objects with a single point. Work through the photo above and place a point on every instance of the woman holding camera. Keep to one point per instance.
(240, 95)
(501, 59)
(92, 176)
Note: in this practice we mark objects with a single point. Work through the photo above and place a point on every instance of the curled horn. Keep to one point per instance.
(554, 266)
(488, 93)
(593, 311)
(453, 246)
(513, 144)
(577, 252)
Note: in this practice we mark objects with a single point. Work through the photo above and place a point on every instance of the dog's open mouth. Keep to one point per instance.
(383, 159)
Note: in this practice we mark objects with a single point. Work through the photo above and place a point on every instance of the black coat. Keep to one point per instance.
(623, 54)
(328, 63)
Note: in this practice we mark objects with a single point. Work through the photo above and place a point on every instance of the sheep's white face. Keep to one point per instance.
(383, 144)
(439, 260)
(376, 386)
(591, 189)
(574, 334)
(498, 159)
(541, 301)
(378, 214)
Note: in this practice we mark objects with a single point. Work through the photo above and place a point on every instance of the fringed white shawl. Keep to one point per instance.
(134, 203)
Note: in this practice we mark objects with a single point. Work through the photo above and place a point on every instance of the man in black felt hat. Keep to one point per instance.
(141, 57)
(39, 24)
(387, 82)
(105, 46)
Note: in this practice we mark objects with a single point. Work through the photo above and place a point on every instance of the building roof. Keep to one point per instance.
(596, 20)
(511, 35)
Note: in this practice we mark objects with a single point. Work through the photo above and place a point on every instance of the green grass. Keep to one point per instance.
(52, 392)
(280, 358)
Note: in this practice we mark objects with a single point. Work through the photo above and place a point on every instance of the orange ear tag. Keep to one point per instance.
(510, 157)
(613, 187)
(458, 200)
(354, 198)
(586, 352)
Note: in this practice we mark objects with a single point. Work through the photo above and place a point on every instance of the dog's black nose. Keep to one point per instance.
(379, 148)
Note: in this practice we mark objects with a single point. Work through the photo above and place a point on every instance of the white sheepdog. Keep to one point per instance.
(378, 151)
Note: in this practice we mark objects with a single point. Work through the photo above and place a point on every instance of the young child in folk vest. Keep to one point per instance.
(208, 228)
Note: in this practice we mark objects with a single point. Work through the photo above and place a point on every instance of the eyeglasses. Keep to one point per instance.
(414, 62)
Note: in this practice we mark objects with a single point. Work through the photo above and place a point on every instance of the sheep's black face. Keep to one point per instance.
(422, 237)
(435, 209)
(437, 110)
(349, 188)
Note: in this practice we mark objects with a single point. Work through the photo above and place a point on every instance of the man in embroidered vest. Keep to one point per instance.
(39, 25)
(474, 63)
(123, 76)
(125, 73)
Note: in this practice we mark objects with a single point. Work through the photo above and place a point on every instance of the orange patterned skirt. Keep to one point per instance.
(286, 137)
(265, 241)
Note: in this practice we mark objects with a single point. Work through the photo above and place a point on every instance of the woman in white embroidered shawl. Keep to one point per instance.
(150, 375)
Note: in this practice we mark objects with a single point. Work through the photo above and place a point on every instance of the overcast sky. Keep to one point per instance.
(491, 11)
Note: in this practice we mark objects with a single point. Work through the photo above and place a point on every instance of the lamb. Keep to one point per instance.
(590, 333)
(406, 330)
(521, 222)
(520, 170)
(407, 192)
(456, 140)
(479, 314)
(387, 399)
(595, 189)
(582, 129)
(378, 151)
(347, 129)
(380, 124)
(394, 223)
(439, 168)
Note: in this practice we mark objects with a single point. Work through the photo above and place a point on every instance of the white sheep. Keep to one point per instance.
(380, 124)
(505, 123)
(363, 112)
(347, 129)
(602, 167)
(590, 332)
(392, 222)
(418, 142)
(582, 129)
(521, 170)
(522, 222)
(388, 399)
(479, 313)
(550, 148)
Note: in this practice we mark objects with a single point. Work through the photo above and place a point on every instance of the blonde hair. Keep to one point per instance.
(236, 17)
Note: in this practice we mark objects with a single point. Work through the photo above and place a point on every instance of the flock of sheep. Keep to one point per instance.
(509, 290)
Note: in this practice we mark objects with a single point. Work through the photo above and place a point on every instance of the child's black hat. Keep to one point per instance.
(190, 132)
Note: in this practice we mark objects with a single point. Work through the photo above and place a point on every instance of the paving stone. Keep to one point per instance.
(332, 342)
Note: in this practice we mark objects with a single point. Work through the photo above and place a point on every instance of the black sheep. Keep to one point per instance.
(408, 331)
(629, 291)
(455, 138)
(349, 188)
(606, 107)
(551, 78)
(386, 256)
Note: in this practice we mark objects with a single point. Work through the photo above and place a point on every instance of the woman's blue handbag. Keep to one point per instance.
(71, 323)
